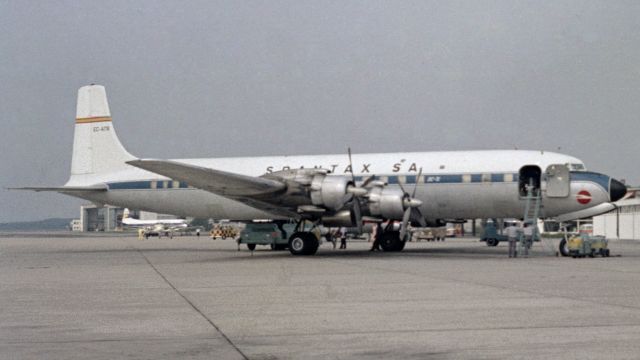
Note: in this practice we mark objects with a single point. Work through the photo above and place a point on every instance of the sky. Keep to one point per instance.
(189, 79)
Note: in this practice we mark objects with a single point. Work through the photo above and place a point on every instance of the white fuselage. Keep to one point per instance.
(453, 185)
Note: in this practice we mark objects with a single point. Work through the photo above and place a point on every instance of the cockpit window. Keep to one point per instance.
(576, 167)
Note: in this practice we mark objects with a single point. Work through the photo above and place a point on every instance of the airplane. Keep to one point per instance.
(420, 188)
(129, 221)
(155, 227)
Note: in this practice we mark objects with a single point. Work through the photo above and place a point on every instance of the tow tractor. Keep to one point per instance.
(584, 245)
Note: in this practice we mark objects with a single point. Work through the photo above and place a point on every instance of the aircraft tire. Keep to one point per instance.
(251, 246)
(564, 250)
(390, 241)
(303, 243)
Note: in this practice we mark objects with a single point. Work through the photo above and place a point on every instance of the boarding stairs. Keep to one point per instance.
(530, 219)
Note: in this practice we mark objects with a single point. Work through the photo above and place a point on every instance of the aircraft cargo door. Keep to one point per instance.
(558, 180)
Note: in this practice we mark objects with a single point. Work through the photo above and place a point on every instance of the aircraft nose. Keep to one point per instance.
(617, 190)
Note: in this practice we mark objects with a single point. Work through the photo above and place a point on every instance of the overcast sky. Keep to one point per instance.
(234, 78)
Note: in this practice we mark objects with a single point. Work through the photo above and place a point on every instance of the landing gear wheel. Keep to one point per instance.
(564, 249)
(251, 246)
(390, 241)
(303, 243)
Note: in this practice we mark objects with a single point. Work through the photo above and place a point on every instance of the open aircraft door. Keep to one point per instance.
(558, 180)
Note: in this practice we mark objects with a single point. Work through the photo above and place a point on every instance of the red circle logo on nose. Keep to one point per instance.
(584, 197)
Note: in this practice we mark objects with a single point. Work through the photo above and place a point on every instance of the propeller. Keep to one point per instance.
(354, 193)
(412, 208)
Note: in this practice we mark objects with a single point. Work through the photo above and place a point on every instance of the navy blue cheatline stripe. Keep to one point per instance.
(130, 185)
(145, 185)
(497, 177)
(602, 180)
(445, 179)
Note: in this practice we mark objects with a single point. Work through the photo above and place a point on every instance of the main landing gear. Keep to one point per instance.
(307, 243)
(390, 241)
(303, 243)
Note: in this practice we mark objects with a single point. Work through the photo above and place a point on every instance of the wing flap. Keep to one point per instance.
(215, 181)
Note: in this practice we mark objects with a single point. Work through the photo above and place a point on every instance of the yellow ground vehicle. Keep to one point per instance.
(584, 245)
(220, 231)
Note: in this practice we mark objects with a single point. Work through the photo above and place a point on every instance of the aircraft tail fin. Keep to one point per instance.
(96, 147)
(125, 213)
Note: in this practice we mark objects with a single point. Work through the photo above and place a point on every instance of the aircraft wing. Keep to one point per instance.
(64, 189)
(215, 181)
(238, 187)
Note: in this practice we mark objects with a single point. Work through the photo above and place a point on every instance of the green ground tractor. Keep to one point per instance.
(265, 234)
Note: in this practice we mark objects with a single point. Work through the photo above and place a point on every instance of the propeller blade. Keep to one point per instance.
(346, 198)
(416, 216)
(415, 187)
(357, 214)
(405, 223)
(368, 180)
(353, 178)
(406, 194)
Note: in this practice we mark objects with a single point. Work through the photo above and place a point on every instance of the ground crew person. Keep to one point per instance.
(331, 236)
(343, 238)
(512, 235)
(140, 234)
(198, 232)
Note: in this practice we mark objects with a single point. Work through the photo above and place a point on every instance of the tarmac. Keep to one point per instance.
(71, 297)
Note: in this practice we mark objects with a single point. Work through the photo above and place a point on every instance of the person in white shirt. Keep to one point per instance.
(512, 234)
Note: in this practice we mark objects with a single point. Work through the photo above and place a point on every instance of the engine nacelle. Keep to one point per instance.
(342, 218)
(329, 191)
(386, 202)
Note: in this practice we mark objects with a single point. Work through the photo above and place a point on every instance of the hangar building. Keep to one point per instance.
(621, 223)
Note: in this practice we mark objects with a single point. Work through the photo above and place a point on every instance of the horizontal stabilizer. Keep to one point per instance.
(215, 181)
(65, 189)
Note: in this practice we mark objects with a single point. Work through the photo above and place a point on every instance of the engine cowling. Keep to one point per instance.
(329, 191)
(386, 202)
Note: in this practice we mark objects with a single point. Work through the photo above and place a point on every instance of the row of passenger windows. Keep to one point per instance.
(167, 184)
(464, 178)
